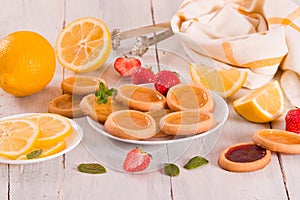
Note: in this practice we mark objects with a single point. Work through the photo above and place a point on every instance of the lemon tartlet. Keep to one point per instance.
(186, 122)
(81, 85)
(140, 98)
(66, 105)
(189, 97)
(130, 124)
(278, 140)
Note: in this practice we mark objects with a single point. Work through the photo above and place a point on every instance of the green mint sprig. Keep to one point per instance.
(103, 93)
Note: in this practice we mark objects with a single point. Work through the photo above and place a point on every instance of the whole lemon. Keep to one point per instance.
(27, 63)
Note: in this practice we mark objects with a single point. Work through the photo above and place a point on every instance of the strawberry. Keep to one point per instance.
(136, 160)
(143, 75)
(126, 66)
(164, 80)
(292, 120)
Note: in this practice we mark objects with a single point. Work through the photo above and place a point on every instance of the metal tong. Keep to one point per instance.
(142, 41)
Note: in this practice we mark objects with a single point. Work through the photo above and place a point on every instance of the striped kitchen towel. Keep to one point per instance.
(257, 36)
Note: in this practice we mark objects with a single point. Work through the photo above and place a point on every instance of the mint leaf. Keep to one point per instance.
(91, 168)
(195, 162)
(34, 154)
(171, 169)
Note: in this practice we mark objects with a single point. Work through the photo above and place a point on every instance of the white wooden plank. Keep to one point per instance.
(27, 181)
(77, 8)
(4, 176)
(161, 14)
(36, 181)
(230, 185)
(198, 184)
(125, 14)
(292, 177)
(38, 16)
(212, 182)
(59, 179)
(35, 16)
(113, 184)
(115, 14)
(164, 15)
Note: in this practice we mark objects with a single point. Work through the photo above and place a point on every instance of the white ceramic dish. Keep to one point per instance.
(71, 142)
(111, 151)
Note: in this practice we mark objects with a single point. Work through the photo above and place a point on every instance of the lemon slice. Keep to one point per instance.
(262, 105)
(17, 137)
(54, 128)
(46, 150)
(84, 45)
(50, 150)
(226, 82)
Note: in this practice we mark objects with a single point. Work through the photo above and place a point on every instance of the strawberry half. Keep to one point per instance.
(143, 75)
(164, 80)
(126, 66)
(136, 160)
(292, 120)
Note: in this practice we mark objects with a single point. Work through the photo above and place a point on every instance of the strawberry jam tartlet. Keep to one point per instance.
(244, 157)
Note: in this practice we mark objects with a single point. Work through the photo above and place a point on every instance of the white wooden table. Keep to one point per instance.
(59, 179)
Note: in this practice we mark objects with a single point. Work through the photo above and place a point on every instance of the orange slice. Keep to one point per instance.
(262, 105)
(17, 137)
(54, 128)
(83, 45)
(226, 82)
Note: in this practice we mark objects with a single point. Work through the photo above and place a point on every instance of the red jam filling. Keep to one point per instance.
(245, 153)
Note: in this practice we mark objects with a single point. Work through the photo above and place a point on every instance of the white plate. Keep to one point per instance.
(71, 142)
(111, 151)
(220, 113)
